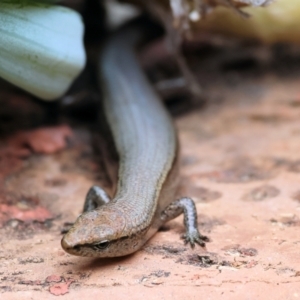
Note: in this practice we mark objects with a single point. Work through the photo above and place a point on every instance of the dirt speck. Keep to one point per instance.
(160, 273)
(248, 251)
(286, 271)
(288, 220)
(31, 260)
(165, 250)
(204, 260)
(55, 182)
(54, 278)
(60, 288)
(261, 193)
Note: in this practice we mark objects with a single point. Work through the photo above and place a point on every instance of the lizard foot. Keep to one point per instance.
(194, 237)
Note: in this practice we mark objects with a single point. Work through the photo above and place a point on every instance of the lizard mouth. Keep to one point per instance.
(69, 247)
(78, 250)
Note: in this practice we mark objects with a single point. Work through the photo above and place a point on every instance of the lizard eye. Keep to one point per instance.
(102, 245)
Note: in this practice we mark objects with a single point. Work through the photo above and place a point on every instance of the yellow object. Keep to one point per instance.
(41, 47)
(278, 22)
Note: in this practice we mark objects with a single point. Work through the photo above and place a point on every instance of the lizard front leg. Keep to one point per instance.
(187, 207)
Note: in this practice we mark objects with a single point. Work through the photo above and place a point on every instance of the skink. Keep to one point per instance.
(147, 146)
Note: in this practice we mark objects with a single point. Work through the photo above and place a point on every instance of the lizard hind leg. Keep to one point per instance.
(186, 206)
(95, 197)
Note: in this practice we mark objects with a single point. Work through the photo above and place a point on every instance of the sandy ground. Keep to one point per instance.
(240, 161)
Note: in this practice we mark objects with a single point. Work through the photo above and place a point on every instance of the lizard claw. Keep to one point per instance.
(195, 237)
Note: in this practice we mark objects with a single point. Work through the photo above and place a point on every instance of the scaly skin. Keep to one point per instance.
(146, 142)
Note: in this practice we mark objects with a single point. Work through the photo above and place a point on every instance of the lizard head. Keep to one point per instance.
(101, 233)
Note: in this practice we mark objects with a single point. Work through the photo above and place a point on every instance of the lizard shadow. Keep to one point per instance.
(96, 263)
